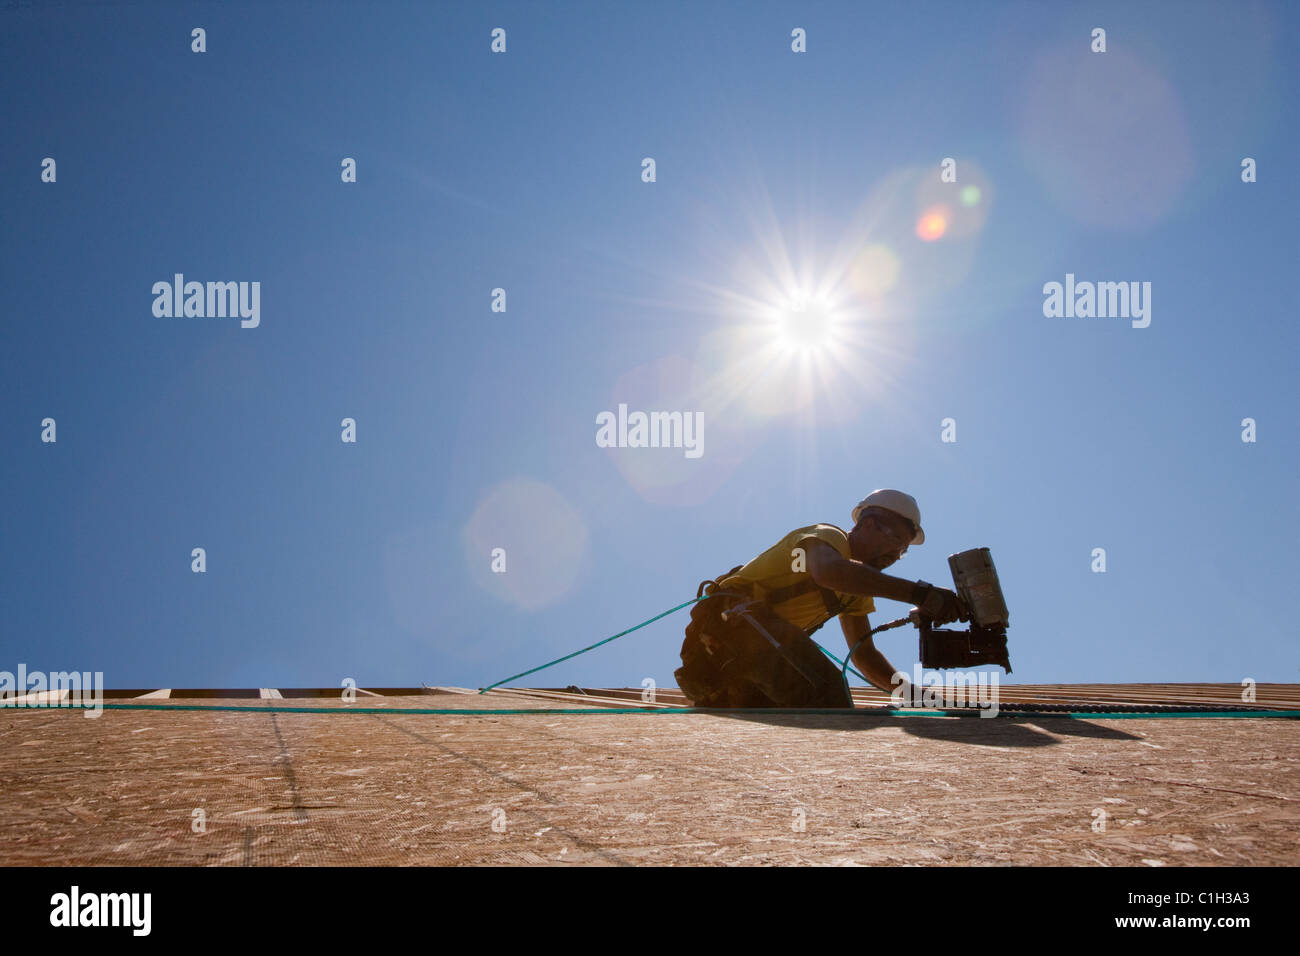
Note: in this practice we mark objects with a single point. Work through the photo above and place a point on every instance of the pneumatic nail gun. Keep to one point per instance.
(979, 593)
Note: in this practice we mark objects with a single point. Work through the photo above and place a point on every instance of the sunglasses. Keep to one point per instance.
(900, 539)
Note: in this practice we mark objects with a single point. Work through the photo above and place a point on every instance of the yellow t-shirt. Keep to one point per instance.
(771, 571)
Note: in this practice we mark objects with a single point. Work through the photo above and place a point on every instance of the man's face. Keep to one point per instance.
(882, 538)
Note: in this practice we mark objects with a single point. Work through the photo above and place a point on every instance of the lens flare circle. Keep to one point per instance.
(933, 223)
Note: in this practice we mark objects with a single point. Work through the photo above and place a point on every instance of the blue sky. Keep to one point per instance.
(779, 176)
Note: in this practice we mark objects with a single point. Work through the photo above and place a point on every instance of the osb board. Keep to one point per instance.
(305, 789)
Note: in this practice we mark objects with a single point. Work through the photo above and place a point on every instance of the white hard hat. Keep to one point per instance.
(897, 502)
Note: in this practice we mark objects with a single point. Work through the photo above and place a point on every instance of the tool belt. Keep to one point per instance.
(739, 652)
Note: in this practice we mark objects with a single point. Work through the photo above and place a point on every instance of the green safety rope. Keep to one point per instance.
(843, 663)
(597, 644)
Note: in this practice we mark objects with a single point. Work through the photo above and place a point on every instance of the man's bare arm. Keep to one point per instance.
(830, 569)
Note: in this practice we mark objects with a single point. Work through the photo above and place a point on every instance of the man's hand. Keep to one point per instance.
(904, 693)
(936, 604)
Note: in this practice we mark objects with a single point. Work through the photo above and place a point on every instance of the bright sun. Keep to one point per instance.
(805, 327)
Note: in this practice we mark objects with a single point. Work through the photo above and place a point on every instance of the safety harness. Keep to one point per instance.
(834, 606)
(745, 607)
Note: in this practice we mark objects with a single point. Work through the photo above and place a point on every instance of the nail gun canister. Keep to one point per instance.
(976, 581)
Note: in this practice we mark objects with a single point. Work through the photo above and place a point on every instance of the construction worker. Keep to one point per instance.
(749, 644)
